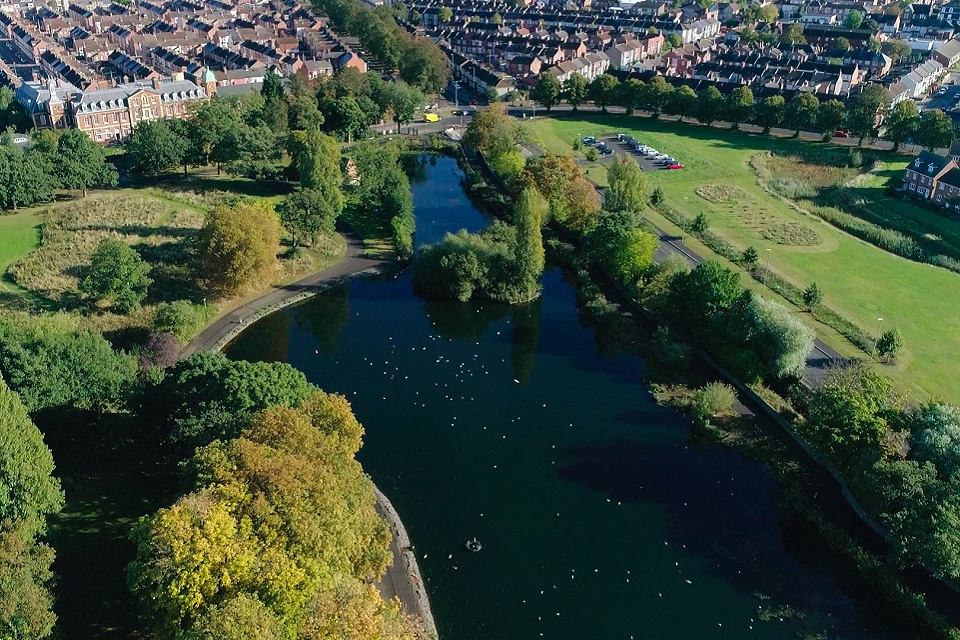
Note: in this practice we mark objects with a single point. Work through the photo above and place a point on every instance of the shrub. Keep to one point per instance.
(713, 399)
(161, 351)
(180, 318)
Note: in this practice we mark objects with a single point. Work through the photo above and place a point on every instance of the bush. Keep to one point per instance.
(161, 350)
(181, 318)
(713, 399)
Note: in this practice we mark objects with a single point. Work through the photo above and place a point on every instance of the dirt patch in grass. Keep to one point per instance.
(792, 234)
(720, 193)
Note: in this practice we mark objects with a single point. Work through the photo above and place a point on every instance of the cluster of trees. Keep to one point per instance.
(382, 190)
(29, 493)
(418, 61)
(277, 536)
(861, 114)
(903, 461)
(56, 160)
(501, 263)
(755, 337)
(904, 123)
(249, 135)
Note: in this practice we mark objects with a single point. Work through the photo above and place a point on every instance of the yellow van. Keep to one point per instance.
(431, 117)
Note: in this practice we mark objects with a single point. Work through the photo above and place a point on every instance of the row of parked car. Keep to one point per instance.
(658, 158)
(599, 145)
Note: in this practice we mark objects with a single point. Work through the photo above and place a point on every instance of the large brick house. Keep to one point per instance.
(924, 173)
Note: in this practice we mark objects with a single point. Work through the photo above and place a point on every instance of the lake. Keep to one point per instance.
(598, 514)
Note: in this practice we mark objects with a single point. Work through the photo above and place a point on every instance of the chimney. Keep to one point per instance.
(156, 83)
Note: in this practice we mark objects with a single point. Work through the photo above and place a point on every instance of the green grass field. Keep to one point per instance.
(860, 281)
(19, 236)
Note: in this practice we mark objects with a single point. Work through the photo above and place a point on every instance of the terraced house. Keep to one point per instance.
(924, 174)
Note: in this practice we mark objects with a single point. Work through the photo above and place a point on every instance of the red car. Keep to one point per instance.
(840, 133)
(675, 166)
(473, 102)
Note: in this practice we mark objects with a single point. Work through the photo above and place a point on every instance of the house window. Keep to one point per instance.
(939, 197)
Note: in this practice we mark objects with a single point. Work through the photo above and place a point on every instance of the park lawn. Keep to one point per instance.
(19, 235)
(860, 282)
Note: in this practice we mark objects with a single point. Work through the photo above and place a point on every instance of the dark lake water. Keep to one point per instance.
(599, 517)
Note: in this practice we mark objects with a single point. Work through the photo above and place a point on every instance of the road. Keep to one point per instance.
(15, 59)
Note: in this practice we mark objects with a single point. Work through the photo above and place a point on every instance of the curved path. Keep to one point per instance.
(402, 579)
(228, 325)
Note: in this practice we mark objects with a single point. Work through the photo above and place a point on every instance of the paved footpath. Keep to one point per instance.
(353, 263)
(402, 579)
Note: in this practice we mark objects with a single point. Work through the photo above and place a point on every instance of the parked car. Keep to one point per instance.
(622, 136)
(651, 152)
(841, 133)
(939, 92)
(606, 151)
(675, 166)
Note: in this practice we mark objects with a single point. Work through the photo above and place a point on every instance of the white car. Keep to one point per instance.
(661, 156)
(651, 152)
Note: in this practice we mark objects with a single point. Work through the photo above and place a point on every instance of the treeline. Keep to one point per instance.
(55, 160)
(804, 112)
(29, 493)
(276, 535)
(902, 461)
(757, 338)
(419, 61)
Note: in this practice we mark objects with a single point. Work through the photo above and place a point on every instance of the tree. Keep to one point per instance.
(602, 90)
(346, 118)
(830, 117)
(739, 106)
(240, 247)
(812, 296)
(117, 273)
(889, 344)
(404, 101)
(629, 189)
(445, 14)
(683, 102)
(673, 40)
(781, 341)
(528, 254)
(802, 111)
(153, 147)
(846, 415)
(547, 91)
(901, 123)
(25, 177)
(424, 66)
(655, 95)
(709, 103)
(28, 494)
(897, 49)
(770, 112)
(308, 213)
(769, 13)
(840, 47)
(700, 223)
(496, 18)
(935, 129)
(865, 109)
(12, 115)
(936, 437)
(793, 34)
(750, 258)
(303, 111)
(573, 201)
(696, 300)
(575, 90)
(621, 247)
(317, 159)
(853, 20)
(491, 131)
(629, 94)
(81, 163)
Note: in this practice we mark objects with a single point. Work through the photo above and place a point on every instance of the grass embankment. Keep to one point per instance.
(46, 265)
(860, 281)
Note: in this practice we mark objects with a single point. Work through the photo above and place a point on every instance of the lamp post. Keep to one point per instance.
(877, 339)
(766, 271)
(686, 213)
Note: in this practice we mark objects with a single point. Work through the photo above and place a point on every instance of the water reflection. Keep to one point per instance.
(326, 317)
(523, 339)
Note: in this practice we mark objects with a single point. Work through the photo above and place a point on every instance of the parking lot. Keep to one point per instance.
(16, 60)
(623, 144)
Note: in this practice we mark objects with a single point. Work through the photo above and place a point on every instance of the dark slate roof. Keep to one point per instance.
(928, 164)
(952, 178)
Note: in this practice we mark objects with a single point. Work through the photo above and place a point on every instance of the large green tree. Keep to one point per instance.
(81, 163)
(709, 105)
(602, 91)
(865, 109)
(901, 123)
(118, 275)
(629, 189)
(308, 213)
(239, 247)
(770, 112)
(25, 178)
(655, 95)
(528, 254)
(935, 129)
(575, 90)
(830, 117)
(547, 91)
(739, 106)
(802, 111)
(781, 341)
(153, 147)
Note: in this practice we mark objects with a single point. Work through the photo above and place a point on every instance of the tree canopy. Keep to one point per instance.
(117, 274)
(240, 246)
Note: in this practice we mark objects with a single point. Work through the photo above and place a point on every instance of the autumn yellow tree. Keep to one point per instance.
(240, 246)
